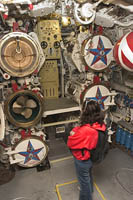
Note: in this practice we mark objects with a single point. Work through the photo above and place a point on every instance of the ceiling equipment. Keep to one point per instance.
(84, 13)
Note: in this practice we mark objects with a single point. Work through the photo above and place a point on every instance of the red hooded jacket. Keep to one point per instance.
(84, 137)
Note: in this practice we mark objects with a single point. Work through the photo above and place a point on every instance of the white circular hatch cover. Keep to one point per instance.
(97, 52)
(31, 151)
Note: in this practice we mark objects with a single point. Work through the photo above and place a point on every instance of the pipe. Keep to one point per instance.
(124, 24)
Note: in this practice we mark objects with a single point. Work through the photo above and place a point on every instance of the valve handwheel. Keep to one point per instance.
(84, 13)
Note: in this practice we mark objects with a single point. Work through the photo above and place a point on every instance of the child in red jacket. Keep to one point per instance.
(82, 139)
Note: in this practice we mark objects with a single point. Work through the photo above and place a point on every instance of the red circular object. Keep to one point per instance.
(123, 52)
(31, 6)
(5, 16)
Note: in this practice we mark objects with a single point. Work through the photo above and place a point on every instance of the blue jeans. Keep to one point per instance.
(84, 175)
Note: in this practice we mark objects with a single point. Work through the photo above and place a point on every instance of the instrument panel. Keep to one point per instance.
(49, 34)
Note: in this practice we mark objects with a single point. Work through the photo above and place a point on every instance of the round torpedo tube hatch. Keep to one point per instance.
(31, 151)
(19, 54)
(97, 52)
(24, 108)
(99, 93)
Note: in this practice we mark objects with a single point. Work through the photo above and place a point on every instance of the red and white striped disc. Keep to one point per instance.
(123, 52)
